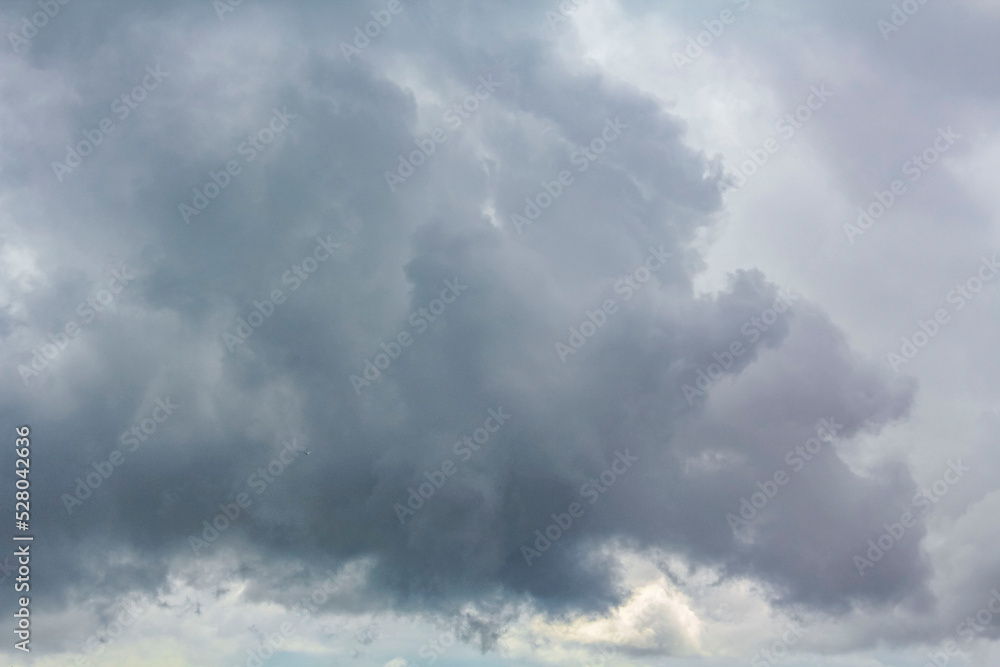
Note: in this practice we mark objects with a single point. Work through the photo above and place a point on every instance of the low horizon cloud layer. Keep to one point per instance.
(402, 333)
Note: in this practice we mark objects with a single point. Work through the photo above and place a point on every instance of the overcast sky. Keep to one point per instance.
(413, 332)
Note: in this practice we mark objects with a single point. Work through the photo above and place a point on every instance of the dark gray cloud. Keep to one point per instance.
(321, 182)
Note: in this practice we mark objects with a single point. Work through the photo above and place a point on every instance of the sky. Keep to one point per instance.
(432, 332)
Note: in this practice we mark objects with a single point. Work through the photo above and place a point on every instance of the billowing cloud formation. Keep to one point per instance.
(455, 266)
